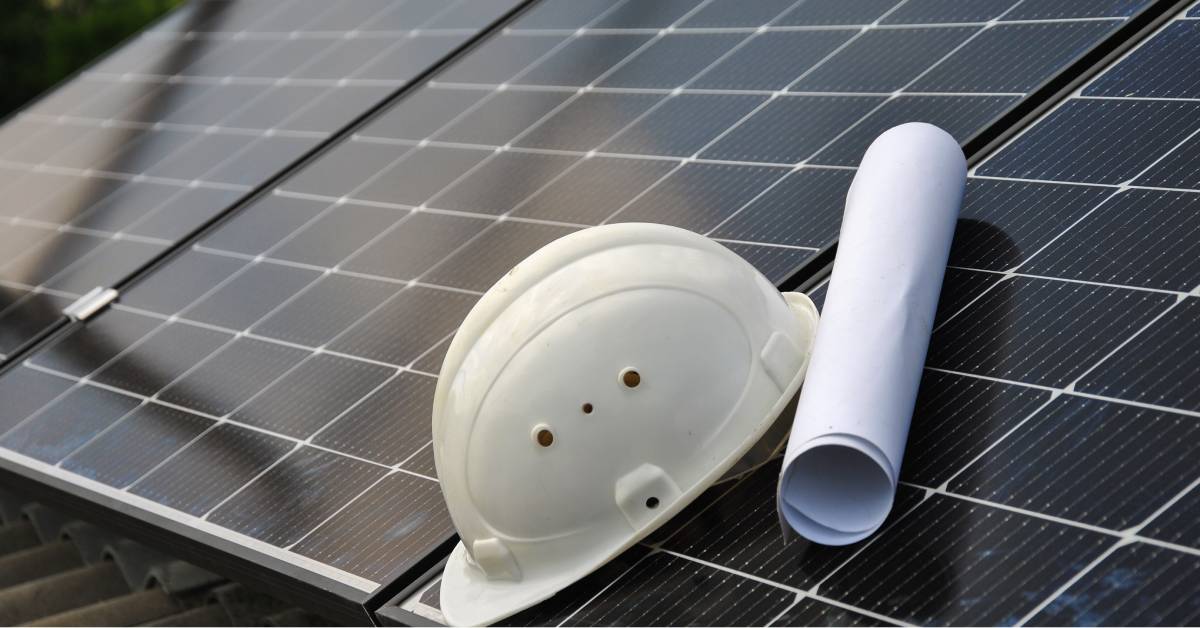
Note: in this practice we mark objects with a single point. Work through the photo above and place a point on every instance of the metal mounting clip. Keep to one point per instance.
(89, 304)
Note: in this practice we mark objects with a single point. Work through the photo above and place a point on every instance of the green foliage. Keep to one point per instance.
(44, 41)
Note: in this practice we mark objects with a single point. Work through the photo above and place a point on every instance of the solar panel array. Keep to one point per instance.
(1051, 474)
(271, 384)
(122, 162)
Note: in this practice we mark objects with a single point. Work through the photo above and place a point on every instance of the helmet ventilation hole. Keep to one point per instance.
(631, 378)
(543, 436)
(651, 502)
(587, 408)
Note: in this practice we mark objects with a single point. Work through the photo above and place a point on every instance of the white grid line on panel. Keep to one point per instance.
(505, 217)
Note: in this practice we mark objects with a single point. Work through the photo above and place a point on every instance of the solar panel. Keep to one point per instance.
(1050, 475)
(287, 356)
(123, 161)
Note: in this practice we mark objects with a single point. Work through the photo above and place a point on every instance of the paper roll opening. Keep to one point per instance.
(836, 493)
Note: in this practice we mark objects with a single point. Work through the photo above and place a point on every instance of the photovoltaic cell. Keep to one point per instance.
(1112, 465)
(312, 394)
(819, 193)
(25, 391)
(935, 11)
(1105, 596)
(136, 444)
(593, 189)
(1137, 238)
(1003, 222)
(1180, 523)
(1041, 321)
(157, 360)
(813, 612)
(961, 287)
(200, 476)
(306, 330)
(381, 535)
(741, 533)
(957, 418)
(422, 463)
(960, 116)
(790, 129)
(296, 495)
(683, 125)
(700, 196)
(232, 376)
(1061, 151)
(389, 425)
(883, 60)
(1006, 49)
(1175, 170)
(1157, 366)
(671, 587)
(999, 563)
(771, 60)
(495, 125)
(1070, 9)
(71, 421)
(830, 12)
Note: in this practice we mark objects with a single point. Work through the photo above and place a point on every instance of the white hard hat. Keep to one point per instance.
(592, 393)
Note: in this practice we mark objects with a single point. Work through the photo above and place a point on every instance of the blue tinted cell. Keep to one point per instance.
(136, 444)
(1138, 584)
(68, 423)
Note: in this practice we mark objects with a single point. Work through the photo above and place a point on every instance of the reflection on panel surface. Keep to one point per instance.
(139, 150)
(306, 332)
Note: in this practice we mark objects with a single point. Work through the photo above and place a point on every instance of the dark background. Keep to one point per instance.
(43, 41)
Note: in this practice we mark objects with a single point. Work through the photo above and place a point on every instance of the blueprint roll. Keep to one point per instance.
(843, 458)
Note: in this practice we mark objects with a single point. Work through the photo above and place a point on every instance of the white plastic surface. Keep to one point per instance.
(591, 394)
(843, 459)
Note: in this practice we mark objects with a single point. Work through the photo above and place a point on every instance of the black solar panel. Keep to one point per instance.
(1050, 475)
(123, 161)
(280, 367)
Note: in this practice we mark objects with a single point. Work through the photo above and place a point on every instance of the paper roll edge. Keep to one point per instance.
(838, 489)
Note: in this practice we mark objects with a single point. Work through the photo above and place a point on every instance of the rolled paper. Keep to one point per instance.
(843, 458)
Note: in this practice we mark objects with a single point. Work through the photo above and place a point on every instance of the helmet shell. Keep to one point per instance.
(594, 392)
